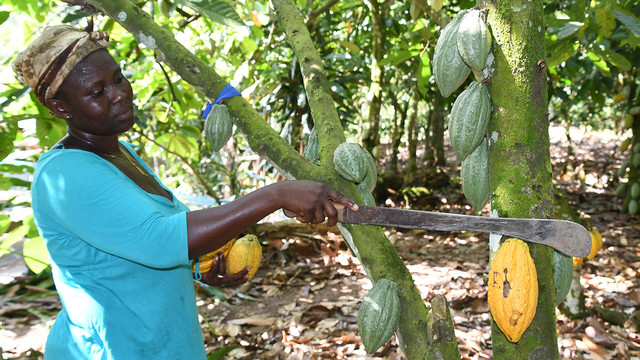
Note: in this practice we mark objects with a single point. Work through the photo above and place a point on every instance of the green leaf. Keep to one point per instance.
(397, 58)
(5, 222)
(606, 21)
(4, 15)
(218, 11)
(13, 237)
(219, 354)
(35, 254)
(629, 20)
(569, 29)
(560, 51)
(614, 58)
(599, 63)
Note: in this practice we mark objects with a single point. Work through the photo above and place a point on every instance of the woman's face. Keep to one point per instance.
(96, 98)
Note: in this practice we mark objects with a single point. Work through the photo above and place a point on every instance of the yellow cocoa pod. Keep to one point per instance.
(577, 261)
(206, 261)
(245, 251)
(513, 288)
(625, 144)
(596, 243)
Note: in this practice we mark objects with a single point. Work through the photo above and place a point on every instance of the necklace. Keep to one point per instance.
(127, 159)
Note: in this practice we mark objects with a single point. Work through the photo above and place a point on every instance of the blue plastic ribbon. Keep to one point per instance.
(198, 275)
(227, 93)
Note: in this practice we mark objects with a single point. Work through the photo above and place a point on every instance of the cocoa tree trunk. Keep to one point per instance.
(369, 243)
(519, 159)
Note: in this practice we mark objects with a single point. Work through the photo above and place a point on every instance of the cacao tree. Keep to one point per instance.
(519, 159)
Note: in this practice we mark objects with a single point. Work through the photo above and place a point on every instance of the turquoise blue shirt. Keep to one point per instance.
(120, 263)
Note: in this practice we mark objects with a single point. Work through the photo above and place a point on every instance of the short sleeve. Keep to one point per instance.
(89, 198)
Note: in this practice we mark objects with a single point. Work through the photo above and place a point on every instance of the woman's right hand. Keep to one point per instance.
(312, 202)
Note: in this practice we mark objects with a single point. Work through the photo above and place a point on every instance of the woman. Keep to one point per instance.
(119, 240)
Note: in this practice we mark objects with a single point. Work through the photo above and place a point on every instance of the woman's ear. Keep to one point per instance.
(57, 108)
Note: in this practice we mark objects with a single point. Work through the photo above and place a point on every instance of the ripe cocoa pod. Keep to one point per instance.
(245, 251)
(312, 151)
(469, 119)
(449, 70)
(350, 162)
(513, 288)
(474, 40)
(218, 126)
(474, 173)
(205, 262)
(378, 315)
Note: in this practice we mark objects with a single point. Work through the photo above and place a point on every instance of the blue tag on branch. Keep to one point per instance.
(227, 93)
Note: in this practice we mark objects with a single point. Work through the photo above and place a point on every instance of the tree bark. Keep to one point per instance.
(519, 159)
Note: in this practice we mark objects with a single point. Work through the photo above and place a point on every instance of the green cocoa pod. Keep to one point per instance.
(469, 119)
(475, 176)
(371, 177)
(562, 275)
(621, 190)
(635, 147)
(378, 315)
(632, 207)
(474, 40)
(218, 126)
(634, 192)
(627, 122)
(312, 151)
(350, 162)
(449, 70)
(635, 160)
(634, 110)
(364, 191)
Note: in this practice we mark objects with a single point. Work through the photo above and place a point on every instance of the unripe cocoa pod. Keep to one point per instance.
(469, 119)
(449, 70)
(378, 315)
(474, 40)
(311, 152)
(350, 162)
(474, 173)
(218, 126)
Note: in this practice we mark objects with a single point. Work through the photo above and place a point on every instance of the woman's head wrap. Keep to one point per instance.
(49, 59)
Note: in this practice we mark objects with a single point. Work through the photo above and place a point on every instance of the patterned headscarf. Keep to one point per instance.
(49, 59)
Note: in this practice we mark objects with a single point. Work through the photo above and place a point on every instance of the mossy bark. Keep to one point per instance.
(377, 255)
(520, 166)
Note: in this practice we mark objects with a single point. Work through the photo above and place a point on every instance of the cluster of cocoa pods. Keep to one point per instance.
(464, 47)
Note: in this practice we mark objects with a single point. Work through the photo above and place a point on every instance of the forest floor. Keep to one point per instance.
(303, 302)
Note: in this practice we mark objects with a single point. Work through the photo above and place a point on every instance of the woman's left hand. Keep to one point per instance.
(218, 276)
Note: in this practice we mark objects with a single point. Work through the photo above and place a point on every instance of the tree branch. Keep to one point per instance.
(261, 137)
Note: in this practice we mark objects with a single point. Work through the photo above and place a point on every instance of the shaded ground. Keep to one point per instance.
(303, 302)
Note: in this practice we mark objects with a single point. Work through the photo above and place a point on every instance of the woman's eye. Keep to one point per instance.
(97, 92)
(119, 79)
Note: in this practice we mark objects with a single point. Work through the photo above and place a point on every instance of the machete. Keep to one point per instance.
(567, 237)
